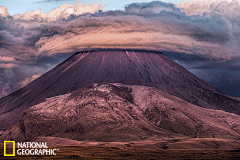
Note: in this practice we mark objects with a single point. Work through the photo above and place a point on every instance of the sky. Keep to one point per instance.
(203, 36)
(22, 6)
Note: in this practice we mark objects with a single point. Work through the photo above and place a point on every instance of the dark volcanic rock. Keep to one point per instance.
(116, 112)
(147, 68)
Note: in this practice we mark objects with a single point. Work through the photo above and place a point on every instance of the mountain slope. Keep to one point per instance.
(131, 67)
(116, 112)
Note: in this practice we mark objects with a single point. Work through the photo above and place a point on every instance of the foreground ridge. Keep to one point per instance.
(117, 112)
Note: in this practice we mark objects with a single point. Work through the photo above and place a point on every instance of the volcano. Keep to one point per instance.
(129, 67)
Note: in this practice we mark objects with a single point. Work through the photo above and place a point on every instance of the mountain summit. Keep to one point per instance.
(130, 67)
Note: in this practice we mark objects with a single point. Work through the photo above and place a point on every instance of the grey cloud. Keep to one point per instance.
(224, 76)
(9, 80)
(151, 8)
(224, 79)
(210, 28)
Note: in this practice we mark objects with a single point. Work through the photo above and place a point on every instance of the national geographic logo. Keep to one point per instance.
(13, 148)
(28, 148)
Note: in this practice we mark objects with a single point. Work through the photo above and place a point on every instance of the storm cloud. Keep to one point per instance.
(208, 32)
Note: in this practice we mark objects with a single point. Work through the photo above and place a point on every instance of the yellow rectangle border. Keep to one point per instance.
(5, 148)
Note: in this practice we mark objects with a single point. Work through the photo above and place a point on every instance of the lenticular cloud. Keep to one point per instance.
(206, 28)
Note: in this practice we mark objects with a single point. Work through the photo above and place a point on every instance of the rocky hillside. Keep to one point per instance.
(117, 112)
